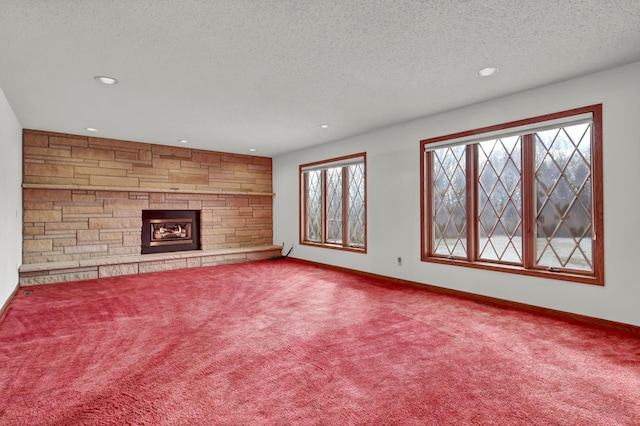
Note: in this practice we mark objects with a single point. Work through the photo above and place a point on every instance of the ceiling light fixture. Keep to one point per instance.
(324, 126)
(183, 141)
(91, 129)
(487, 72)
(110, 81)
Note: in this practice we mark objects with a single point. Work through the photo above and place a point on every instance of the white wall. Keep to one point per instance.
(393, 157)
(10, 199)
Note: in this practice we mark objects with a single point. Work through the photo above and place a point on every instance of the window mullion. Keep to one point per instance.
(472, 201)
(528, 201)
(427, 192)
(323, 185)
(305, 205)
(597, 240)
(345, 211)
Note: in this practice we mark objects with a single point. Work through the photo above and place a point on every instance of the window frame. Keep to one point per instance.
(528, 179)
(323, 165)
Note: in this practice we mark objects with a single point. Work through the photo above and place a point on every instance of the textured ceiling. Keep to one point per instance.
(229, 75)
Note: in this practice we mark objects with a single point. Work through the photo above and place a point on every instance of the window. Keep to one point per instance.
(523, 197)
(333, 203)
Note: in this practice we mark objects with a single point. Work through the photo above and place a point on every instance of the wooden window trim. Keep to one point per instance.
(303, 202)
(596, 277)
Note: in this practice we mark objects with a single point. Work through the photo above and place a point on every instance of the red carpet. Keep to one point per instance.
(280, 342)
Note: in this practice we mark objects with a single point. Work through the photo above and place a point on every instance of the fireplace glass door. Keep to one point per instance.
(169, 230)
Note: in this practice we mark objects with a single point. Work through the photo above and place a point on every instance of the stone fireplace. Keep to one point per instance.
(166, 231)
(84, 197)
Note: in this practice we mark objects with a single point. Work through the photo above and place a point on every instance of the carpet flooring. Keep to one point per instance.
(286, 343)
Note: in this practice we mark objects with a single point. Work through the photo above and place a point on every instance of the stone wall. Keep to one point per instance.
(51, 158)
(83, 196)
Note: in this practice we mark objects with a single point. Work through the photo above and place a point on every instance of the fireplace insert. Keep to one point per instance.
(170, 230)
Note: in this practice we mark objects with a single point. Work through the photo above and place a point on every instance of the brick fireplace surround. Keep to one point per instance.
(83, 199)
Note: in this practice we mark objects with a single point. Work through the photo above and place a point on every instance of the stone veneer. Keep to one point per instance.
(83, 198)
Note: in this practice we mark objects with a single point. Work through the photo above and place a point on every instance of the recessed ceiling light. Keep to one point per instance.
(183, 141)
(91, 129)
(486, 72)
(252, 150)
(324, 126)
(106, 80)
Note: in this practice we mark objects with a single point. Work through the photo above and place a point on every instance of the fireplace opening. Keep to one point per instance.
(170, 230)
(176, 231)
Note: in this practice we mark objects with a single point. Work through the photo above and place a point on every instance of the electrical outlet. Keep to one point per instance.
(399, 261)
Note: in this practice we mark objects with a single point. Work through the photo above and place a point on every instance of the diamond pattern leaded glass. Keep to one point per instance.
(331, 211)
(314, 205)
(334, 205)
(355, 224)
(563, 198)
(449, 236)
(500, 200)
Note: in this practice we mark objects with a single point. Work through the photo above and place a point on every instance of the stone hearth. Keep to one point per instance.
(55, 272)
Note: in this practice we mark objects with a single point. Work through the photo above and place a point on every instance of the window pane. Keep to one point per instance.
(500, 200)
(355, 224)
(449, 236)
(314, 205)
(334, 205)
(563, 198)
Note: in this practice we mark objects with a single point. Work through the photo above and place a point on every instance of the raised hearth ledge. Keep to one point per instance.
(56, 272)
(136, 189)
